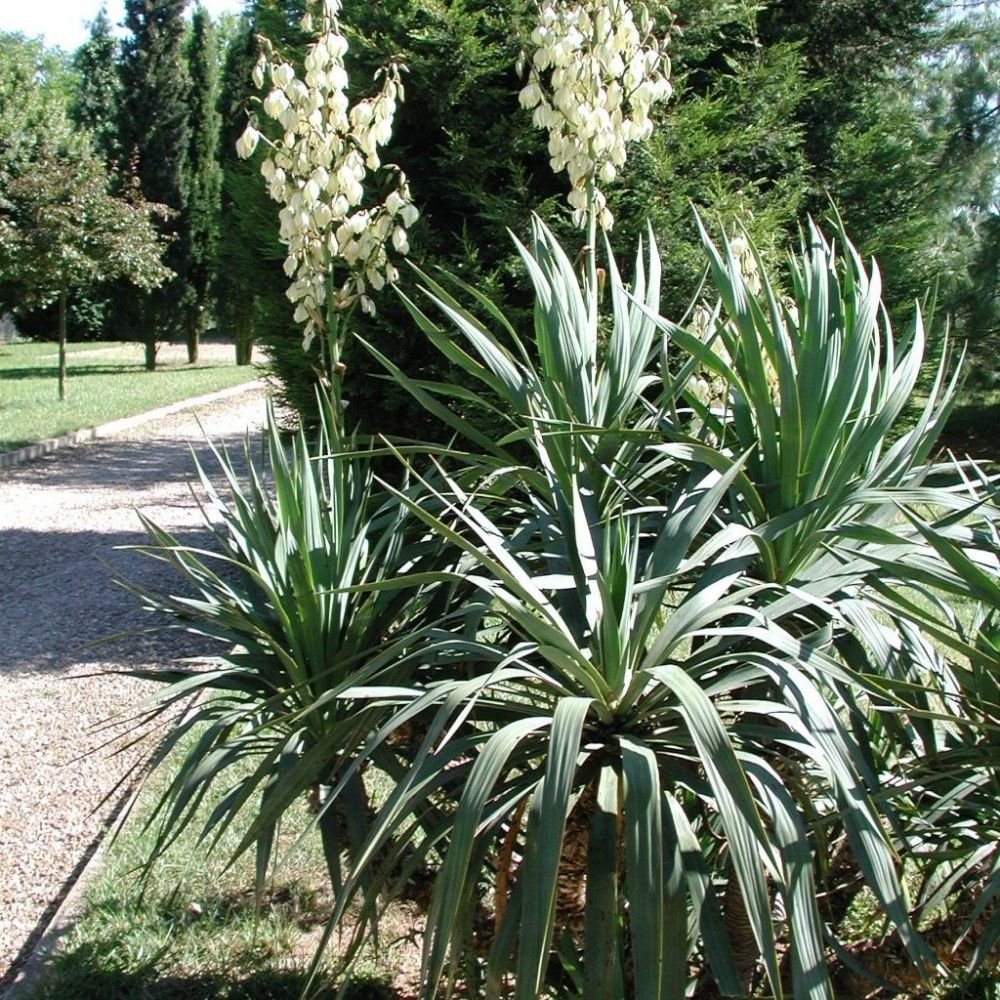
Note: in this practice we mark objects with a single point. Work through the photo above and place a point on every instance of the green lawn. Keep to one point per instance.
(193, 929)
(105, 381)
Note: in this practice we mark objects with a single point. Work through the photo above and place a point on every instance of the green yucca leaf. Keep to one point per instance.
(652, 896)
(547, 819)
(748, 843)
(603, 975)
(451, 884)
(810, 976)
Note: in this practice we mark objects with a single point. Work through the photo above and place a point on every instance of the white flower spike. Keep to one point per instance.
(593, 78)
(317, 172)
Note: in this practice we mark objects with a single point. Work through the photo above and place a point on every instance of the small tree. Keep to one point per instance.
(64, 231)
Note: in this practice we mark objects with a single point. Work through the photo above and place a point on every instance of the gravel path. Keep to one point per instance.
(61, 519)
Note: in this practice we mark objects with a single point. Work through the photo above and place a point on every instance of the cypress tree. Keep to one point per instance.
(204, 187)
(251, 284)
(156, 138)
(95, 105)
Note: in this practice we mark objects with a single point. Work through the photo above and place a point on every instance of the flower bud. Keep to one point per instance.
(282, 75)
(258, 73)
(247, 143)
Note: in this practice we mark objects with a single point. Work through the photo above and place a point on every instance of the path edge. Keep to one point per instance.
(41, 448)
(32, 971)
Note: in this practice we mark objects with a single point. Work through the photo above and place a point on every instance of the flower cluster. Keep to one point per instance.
(317, 171)
(595, 74)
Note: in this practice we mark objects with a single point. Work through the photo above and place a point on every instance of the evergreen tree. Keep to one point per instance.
(156, 137)
(851, 49)
(204, 187)
(95, 105)
(781, 108)
(962, 93)
(729, 145)
(251, 283)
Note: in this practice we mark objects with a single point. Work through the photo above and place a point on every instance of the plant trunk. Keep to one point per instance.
(741, 938)
(343, 826)
(333, 834)
(193, 340)
(150, 345)
(62, 344)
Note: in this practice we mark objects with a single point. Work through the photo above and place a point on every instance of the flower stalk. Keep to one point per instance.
(595, 73)
(321, 170)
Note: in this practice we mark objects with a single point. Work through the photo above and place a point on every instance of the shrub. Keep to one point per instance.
(650, 709)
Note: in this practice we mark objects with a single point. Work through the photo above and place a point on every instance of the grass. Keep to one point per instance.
(105, 381)
(194, 930)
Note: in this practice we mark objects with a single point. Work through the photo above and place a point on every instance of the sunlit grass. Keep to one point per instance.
(105, 381)
(193, 928)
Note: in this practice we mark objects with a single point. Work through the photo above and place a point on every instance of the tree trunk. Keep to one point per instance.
(149, 340)
(193, 340)
(244, 340)
(62, 344)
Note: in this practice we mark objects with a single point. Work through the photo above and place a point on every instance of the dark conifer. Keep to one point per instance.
(156, 138)
(96, 102)
(204, 187)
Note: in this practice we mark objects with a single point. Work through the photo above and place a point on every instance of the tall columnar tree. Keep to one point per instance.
(204, 187)
(156, 137)
(96, 102)
(252, 303)
(238, 256)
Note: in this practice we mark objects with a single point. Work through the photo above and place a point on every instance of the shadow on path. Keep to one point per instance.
(131, 466)
(67, 517)
(69, 602)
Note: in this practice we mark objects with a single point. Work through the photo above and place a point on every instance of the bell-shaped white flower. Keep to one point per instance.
(318, 171)
(409, 214)
(282, 75)
(275, 103)
(247, 142)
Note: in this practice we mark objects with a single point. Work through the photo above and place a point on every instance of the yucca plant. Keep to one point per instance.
(953, 821)
(840, 479)
(671, 674)
(294, 541)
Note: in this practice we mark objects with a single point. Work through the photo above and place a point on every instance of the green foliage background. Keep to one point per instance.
(780, 109)
(886, 109)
